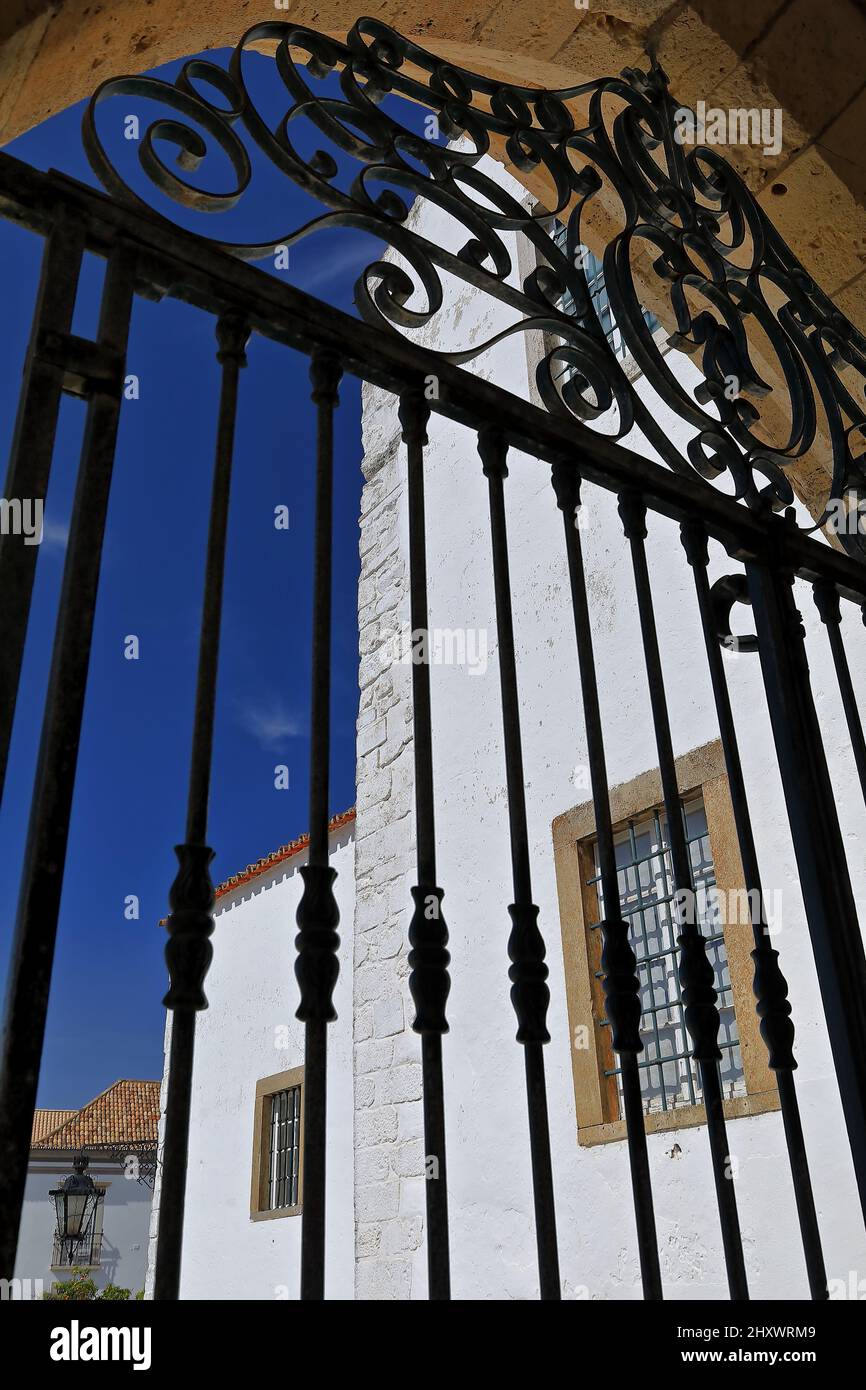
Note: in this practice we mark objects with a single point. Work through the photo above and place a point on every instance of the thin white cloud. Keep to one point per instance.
(353, 257)
(268, 720)
(55, 535)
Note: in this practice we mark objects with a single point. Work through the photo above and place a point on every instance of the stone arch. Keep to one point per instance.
(54, 52)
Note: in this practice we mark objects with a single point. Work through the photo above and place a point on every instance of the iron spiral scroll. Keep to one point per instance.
(724, 273)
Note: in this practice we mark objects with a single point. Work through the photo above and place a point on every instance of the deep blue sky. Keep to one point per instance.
(105, 1019)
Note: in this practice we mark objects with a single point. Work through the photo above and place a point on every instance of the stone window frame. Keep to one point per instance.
(700, 772)
(267, 1087)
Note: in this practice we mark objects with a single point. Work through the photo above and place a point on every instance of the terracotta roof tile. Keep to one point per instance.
(126, 1114)
(279, 856)
(46, 1120)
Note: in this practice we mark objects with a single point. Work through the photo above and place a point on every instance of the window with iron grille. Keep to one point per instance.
(284, 1149)
(277, 1180)
(669, 1076)
(670, 1080)
(597, 290)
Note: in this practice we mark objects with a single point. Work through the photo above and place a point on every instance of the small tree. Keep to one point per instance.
(80, 1286)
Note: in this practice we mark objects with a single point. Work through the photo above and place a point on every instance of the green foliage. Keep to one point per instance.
(80, 1286)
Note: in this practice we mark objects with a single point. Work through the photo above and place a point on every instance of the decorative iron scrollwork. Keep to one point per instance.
(718, 266)
(728, 590)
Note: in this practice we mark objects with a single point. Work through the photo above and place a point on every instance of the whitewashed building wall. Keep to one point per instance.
(490, 1196)
(376, 1157)
(250, 1032)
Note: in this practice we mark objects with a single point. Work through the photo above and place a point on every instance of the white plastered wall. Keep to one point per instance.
(250, 1032)
(492, 1235)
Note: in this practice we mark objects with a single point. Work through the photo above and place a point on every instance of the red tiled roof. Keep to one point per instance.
(126, 1114)
(279, 856)
(44, 1121)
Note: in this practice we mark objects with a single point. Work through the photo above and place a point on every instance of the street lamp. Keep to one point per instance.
(74, 1203)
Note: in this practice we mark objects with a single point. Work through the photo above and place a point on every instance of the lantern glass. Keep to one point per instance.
(79, 1208)
(75, 1202)
(59, 1211)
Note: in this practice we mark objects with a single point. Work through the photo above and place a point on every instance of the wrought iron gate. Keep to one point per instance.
(711, 242)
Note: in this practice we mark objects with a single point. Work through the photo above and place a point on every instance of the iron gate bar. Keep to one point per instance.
(621, 982)
(169, 261)
(32, 959)
(530, 995)
(178, 263)
(831, 911)
(188, 951)
(770, 985)
(695, 970)
(429, 981)
(316, 964)
(827, 603)
(32, 448)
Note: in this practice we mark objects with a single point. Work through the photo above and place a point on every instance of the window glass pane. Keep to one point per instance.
(284, 1148)
(594, 275)
(669, 1077)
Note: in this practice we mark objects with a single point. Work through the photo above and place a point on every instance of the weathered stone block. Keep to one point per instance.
(388, 1017)
(813, 66)
(377, 1201)
(383, 1279)
(401, 1236)
(372, 1166)
(815, 213)
(377, 1126)
(410, 1122)
(367, 1240)
(398, 1084)
(365, 1092)
(373, 981)
(408, 1160)
(371, 737)
(373, 1055)
(390, 942)
(537, 29)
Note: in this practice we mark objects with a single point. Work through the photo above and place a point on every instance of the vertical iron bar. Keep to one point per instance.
(293, 1139)
(318, 917)
(621, 982)
(32, 450)
(177, 1112)
(33, 946)
(271, 1150)
(279, 1152)
(530, 995)
(429, 981)
(695, 970)
(770, 986)
(188, 951)
(831, 912)
(827, 603)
